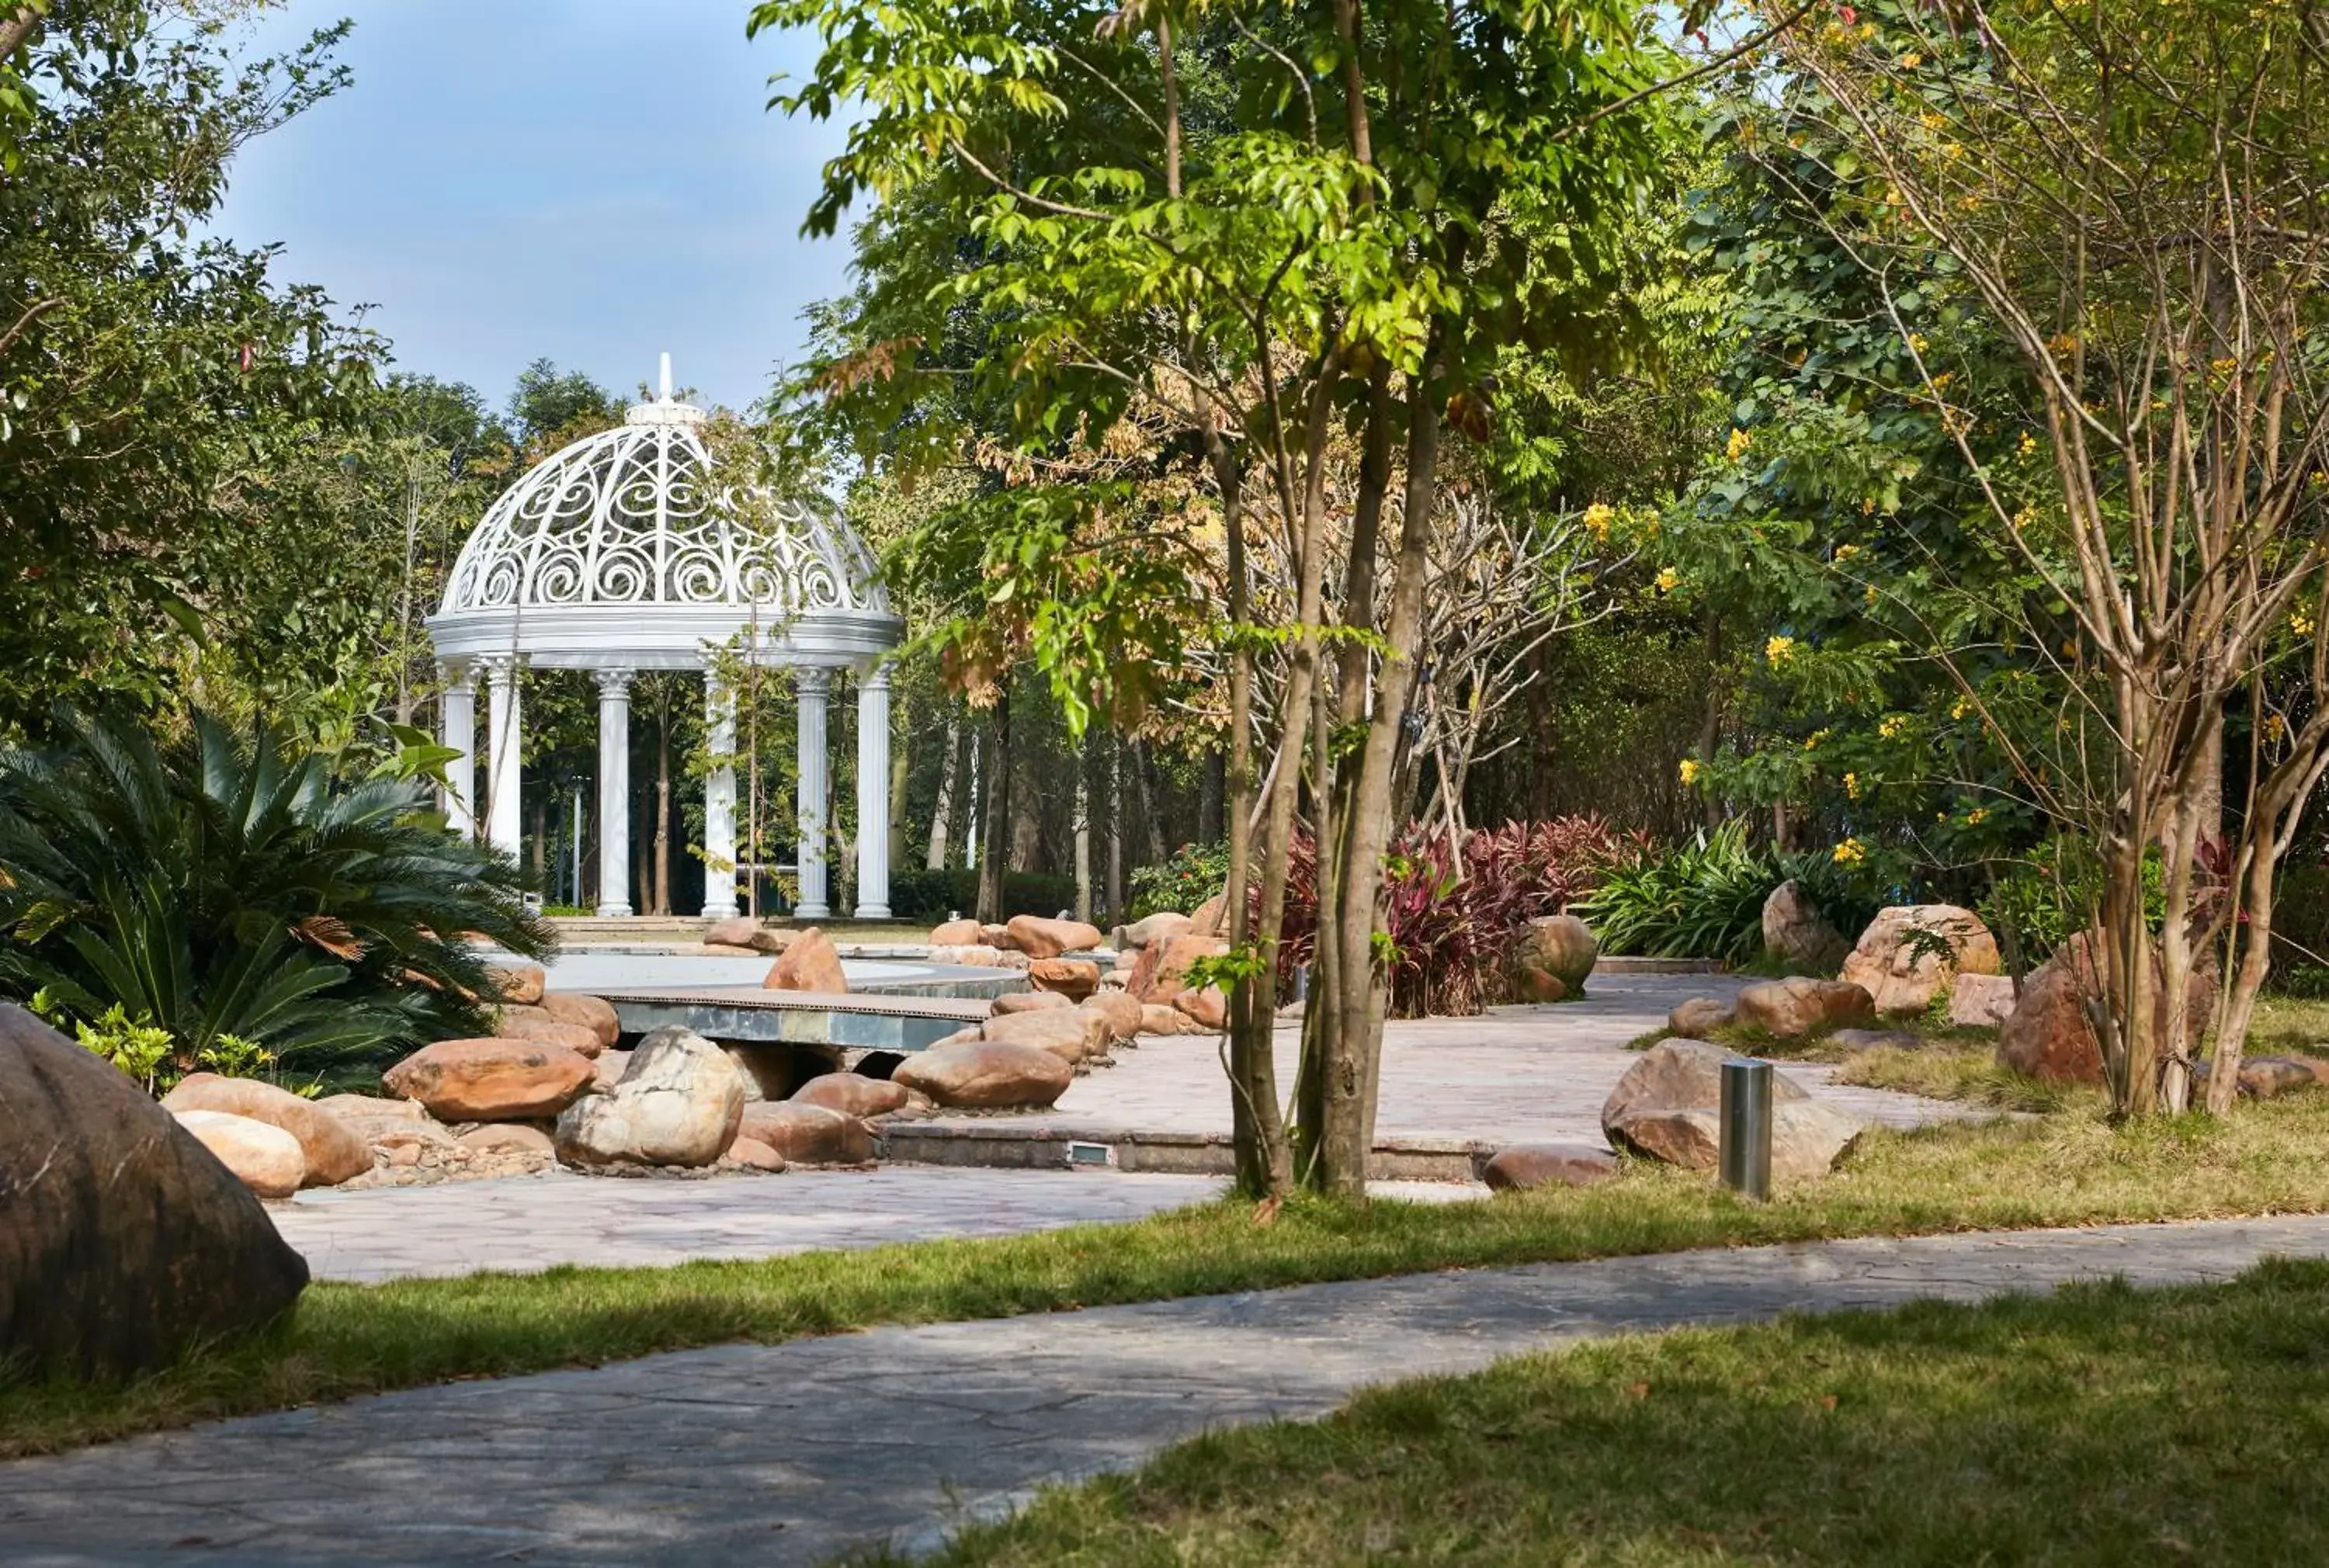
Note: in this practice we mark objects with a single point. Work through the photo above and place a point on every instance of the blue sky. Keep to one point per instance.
(592, 181)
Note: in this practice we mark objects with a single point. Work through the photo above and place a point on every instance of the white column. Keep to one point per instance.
(505, 826)
(813, 686)
(613, 792)
(874, 795)
(719, 800)
(457, 728)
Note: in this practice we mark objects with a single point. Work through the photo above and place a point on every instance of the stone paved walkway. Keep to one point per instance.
(1514, 1075)
(528, 1223)
(791, 1453)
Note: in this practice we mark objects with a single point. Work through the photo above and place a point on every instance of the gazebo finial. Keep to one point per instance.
(665, 379)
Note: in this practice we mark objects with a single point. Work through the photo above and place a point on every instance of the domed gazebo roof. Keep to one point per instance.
(628, 549)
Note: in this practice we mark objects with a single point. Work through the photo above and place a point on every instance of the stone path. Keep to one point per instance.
(1514, 1075)
(527, 1223)
(791, 1453)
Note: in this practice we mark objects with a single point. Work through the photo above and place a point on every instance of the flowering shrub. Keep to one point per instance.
(1453, 930)
(1194, 873)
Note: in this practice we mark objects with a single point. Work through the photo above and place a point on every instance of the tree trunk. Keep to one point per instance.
(662, 813)
(1115, 833)
(1083, 832)
(1710, 729)
(994, 852)
(1212, 785)
(1152, 824)
(949, 765)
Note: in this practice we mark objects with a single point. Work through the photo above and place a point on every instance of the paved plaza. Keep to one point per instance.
(788, 1454)
(1515, 1074)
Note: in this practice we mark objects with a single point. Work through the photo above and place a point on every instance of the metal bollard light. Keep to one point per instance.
(1745, 1157)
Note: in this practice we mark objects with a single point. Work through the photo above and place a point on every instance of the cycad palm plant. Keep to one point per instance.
(222, 885)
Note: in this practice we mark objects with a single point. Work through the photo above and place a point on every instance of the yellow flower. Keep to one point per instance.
(1910, 60)
(1852, 786)
(1892, 725)
(2029, 443)
(2275, 726)
(1844, 552)
(1778, 651)
(2025, 518)
(1976, 817)
(1960, 708)
(1689, 771)
(1597, 519)
(1669, 579)
(1739, 442)
(1813, 738)
(1850, 852)
(2300, 622)
(1916, 343)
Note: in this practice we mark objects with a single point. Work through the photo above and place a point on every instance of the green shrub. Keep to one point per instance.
(1194, 873)
(1703, 899)
(931, 896)
(234, 894)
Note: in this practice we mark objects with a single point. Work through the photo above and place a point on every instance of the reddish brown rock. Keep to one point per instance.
(955, 934)
(998, 936)
(1700, 1016)
(123, 1241)
(1147, 931)
(1030, 1001)
(1563, 948)
(2048, 1036)
(492, 1080)
(1533, 981)
(851, 1095)
(1207, 918)
(593, 1013)
(1796, 933)
(811, 964)
(1070, 1033)
(974, 955)
(518, 983)
(534, 1023)
(1208, 1008)
(507, 1138)
(1668, 1105)
(329, 1148)
(986, 1075)
(1039, 938)
(741, 931)
(1163, 968)
(1523, 1166)
(1790, 1009)
(1117, 1009)
(1901, 962)
(1073, 978)
(806, 1134)
(1161, 1017)
(1981, 1001)
(263, 1157)
(754, 1155)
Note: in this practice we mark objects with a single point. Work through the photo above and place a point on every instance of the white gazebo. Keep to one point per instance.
(629, 550)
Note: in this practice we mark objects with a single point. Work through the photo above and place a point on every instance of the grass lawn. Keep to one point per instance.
(2069, 1169)
(2099, 1425)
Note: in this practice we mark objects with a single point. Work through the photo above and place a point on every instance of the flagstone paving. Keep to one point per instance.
(790, 1453)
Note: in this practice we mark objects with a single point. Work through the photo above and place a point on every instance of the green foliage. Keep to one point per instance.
(1703, 897)
(919, 894)
(1193, 874)
(2057, 890)
(150, 1055)
(230, 893)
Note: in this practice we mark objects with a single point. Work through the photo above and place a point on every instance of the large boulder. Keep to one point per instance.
(986, 1075)
(1911, 953)
(806, 1135)
(2049, 1034)
(1071, 1033)
(1790, 1009)
(678, 1102)
(1700, 1016)
(1669, 1105)
(852, 1094)
(1162, 972)
(330, 1150)
(1073, 978)
(1118, 1011)
(1147, 931)
(1161, 1017)
(810, 963)
(1207, 1007)
(534, 1023)
(123, 1241)
(1039, 938)
(491, 1080)
(594, 1013)
(262, 1156)
(1560, 947)
(971, 955)
(1523, 1166)
(1981, 1001)
(519, 984)
(1796, 932)
(744, 932)
(1030, 1001)
(1211, 918)
(507, 1138)
(955, 934)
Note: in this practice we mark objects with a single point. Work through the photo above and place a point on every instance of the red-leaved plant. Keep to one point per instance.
(1453, 936)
